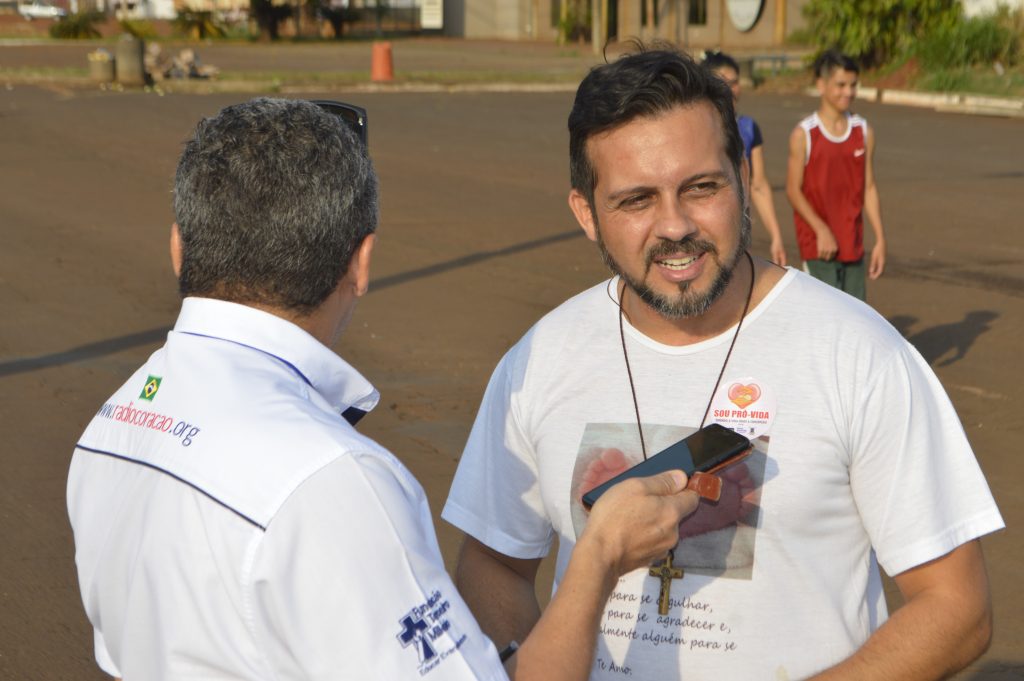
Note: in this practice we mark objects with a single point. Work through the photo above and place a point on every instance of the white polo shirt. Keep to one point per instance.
(230, 524)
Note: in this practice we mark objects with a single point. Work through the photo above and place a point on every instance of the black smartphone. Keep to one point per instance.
(709, 449)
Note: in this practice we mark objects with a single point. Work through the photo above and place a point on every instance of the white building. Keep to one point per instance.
(973, 8)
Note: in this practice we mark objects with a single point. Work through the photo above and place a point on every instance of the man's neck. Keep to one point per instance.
(723, 314)
(325, 323)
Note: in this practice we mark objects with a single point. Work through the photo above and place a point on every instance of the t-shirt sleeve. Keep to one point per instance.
(756, 140)
(348, 582)
(914, 477)
(495, 496)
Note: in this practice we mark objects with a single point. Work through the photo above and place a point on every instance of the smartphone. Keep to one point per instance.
(709, 449)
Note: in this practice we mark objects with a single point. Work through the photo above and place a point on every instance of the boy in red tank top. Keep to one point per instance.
(830, 182)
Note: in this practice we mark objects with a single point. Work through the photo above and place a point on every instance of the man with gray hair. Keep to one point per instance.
(229, 521)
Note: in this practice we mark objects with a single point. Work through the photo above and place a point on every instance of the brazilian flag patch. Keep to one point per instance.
(149, 390)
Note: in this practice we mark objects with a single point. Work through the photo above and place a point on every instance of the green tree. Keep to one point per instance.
(976, 41)
(197, 24)
(81, 25)
(573, 21)
(875, 31)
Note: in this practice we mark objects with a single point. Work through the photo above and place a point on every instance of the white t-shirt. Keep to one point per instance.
(859, 452)
(230, 524)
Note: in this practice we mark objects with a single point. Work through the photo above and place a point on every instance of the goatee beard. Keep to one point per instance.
(688, 303)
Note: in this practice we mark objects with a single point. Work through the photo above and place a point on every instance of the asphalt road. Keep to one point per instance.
(476, 243)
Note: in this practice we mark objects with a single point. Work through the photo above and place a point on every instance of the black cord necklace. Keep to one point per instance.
(629, 371)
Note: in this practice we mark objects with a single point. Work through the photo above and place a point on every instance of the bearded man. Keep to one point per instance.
(860, 460)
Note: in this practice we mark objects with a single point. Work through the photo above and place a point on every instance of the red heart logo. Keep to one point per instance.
(744, 395)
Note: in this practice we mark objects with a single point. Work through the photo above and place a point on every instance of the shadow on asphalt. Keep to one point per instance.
(994, 670)
(112, 345)
(937, 342)
(83, 352)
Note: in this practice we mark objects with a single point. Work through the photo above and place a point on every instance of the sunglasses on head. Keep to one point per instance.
(353, 116)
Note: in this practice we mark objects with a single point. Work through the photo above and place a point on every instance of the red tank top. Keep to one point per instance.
(834, 185)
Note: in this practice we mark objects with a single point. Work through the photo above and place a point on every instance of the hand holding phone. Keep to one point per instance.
(708, 450)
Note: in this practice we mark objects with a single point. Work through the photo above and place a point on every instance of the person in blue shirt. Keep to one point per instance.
(726, 68)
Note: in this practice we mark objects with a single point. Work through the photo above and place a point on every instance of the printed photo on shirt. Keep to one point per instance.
(719, 538)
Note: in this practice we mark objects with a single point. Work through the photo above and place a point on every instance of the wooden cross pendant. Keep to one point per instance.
(666, 573)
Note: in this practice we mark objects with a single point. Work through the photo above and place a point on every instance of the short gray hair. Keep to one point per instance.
(272, 197)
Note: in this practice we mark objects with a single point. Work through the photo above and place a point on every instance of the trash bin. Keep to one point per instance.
(101, 66)
(130, 69)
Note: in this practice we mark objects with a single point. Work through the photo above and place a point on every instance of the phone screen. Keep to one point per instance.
(704, 450)
(708, 446)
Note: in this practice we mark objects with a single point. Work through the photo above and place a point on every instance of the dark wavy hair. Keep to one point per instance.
(832, 60)
(716, 60)
(272, 197)
(643, 83)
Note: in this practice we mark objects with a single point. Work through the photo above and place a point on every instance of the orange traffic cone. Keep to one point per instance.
(381, 68)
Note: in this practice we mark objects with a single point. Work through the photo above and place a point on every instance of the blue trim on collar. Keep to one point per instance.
(353, 415)
(268, 354)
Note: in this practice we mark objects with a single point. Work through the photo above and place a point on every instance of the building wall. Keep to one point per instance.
(501, 19)
(493, 19)
(778, 19)
(973, 8)
(531, 20)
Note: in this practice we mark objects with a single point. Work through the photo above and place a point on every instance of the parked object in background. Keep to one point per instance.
(101, 66)
(129, 67)
(38, 9)
(186, 64)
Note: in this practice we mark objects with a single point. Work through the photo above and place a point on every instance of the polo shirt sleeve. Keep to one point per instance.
(103, 659)
(916, 482)
(348, 582)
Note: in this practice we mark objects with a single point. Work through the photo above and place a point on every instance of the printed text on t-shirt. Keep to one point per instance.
(690, 624)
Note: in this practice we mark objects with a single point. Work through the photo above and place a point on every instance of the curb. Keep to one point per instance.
(947, 102)
(982, 105)
(433, 87)
(213, 86)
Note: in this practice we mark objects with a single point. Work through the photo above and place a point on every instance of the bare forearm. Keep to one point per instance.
(795, 181)
(633, 524)
(945, 624)
(802, 206)
(873, 210)
(922, 640)
(502, 600)
(569, 622)
(765, 205)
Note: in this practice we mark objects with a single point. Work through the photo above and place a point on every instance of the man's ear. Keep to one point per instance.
(359, 267)
(584, 215)
(176, 249)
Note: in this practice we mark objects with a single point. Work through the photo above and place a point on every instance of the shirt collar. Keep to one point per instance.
(331, 376)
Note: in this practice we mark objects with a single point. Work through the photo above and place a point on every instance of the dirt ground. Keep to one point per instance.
(476, 243)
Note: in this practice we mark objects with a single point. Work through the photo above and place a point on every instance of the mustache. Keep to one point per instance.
(687, 246)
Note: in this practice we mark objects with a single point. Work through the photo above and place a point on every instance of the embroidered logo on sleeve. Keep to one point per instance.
(150, 388)
(428, 629)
